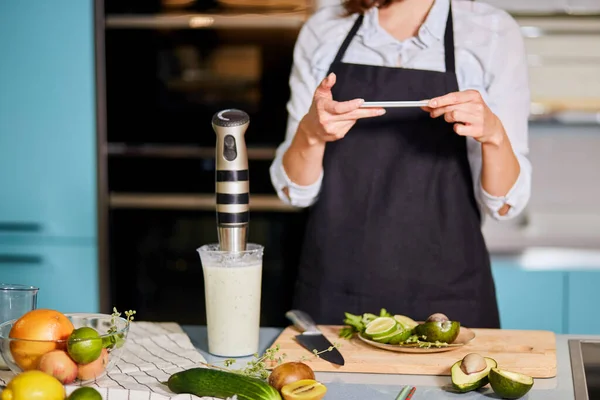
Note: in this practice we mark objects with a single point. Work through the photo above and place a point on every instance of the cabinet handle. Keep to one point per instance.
(19, 227)
(203, 202)
(20, 259)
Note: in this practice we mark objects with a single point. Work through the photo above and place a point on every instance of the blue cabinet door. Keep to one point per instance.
(66, 276)
(47, 119)
(530, 299)
(583, 302)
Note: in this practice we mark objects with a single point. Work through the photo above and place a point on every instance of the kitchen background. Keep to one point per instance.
(107, 168)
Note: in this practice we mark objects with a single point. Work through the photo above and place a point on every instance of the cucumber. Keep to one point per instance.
(221, 384)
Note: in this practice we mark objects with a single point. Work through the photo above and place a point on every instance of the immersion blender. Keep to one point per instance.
(232, 180)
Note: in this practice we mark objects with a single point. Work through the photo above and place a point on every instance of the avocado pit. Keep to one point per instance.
(473, 363)
(437, 317)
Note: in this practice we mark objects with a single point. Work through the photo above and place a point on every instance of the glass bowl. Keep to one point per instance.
(25, 354)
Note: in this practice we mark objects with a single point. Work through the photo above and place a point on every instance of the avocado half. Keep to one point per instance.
(467, 382)
(439, 331)
(509, 385)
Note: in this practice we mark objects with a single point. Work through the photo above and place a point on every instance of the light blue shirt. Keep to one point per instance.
(490, 58)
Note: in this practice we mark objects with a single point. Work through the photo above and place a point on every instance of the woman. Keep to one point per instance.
(396, 196)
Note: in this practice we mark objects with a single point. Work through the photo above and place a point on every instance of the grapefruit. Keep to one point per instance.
(41, 329)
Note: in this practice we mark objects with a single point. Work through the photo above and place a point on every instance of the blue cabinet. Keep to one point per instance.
(530, 299)
(583, 302)
(47, 120)
(65, 275)
(48, 151)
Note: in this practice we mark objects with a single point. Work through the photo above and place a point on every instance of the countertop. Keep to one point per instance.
(348, 386)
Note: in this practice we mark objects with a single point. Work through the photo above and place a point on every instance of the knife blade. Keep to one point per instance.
(312, 338)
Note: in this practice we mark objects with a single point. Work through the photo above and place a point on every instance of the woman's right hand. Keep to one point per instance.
(328, 120)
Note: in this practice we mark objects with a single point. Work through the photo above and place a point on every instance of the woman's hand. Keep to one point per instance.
(328, 120)
(470, 115)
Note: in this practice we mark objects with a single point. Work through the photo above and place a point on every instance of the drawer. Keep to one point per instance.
(583, 301)
(530, 299)
(67, 276)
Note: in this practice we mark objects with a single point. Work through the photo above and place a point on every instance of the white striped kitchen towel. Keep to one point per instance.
(152, 353)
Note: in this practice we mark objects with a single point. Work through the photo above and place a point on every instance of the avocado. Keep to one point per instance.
(466, 382)
(438, 331)
(509, 385)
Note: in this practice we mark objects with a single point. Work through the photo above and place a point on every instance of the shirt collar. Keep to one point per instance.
(432, 29)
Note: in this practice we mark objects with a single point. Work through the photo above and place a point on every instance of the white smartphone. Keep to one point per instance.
(389, 104)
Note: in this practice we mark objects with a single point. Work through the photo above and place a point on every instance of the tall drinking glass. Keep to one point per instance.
(15, 301)
(232, 285)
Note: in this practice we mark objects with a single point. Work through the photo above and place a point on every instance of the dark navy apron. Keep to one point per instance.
(396, 224)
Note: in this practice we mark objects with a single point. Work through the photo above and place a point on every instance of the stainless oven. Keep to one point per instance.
(169, 66)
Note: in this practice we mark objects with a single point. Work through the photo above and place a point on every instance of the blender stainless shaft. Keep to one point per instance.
(232, 180)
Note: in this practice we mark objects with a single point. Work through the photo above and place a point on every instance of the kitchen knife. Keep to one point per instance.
(312, 339)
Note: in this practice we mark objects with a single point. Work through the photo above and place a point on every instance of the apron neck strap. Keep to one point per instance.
(348, 39)
(448, 41)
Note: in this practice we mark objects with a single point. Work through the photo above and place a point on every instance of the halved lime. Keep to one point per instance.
(380, 327)
(407, 322)
(509, 385)
(396, 337)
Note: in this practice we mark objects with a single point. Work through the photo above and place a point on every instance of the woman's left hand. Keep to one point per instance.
(470, 115)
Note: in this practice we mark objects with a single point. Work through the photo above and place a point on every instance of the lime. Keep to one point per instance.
(405, 321)
(381, 326)
(466, 382)
(84, 345)
(396, 337)
(445, 332)
(509, 385)
(33, 385)
(85, 393)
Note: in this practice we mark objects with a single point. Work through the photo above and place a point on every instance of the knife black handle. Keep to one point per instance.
(302, 321)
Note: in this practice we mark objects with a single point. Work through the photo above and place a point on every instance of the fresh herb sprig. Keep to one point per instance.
(257, 367)
(318, 353)
(116, 340)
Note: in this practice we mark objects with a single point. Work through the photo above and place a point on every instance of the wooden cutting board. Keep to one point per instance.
(528, 352)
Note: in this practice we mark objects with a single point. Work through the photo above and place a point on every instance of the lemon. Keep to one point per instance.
(33, 385)
(85, 393)
(84, 345)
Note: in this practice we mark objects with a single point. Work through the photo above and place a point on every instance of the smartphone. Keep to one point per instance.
(390, 104)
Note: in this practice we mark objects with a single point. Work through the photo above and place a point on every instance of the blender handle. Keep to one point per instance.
(232, 179)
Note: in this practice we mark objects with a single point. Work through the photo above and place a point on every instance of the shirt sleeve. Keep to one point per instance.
(303, 82)
(508, 96)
